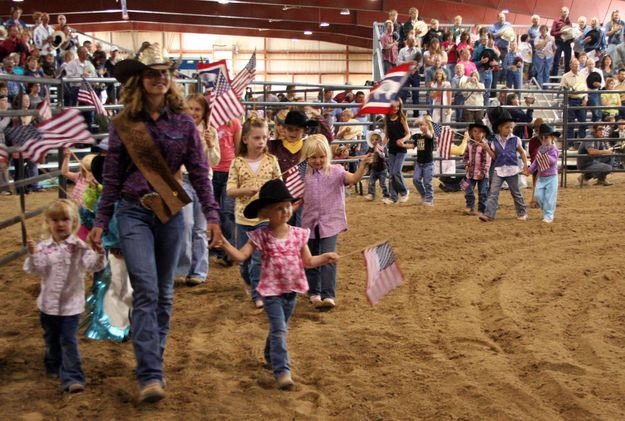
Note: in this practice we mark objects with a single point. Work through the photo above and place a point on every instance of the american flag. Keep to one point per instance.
(87, 95)
(543, 161)
(225, 105)
(63, 130)
(380, 97)
(244, 77)
(209, 72)
(294, 179)
(445, 136)
(383, 273)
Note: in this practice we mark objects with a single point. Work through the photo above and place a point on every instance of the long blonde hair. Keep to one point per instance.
(133, 97)
(427, 120)
(61, 208)
(317, 143)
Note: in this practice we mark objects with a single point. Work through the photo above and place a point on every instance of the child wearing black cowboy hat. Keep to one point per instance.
(546, 163)
(285, 255)
(477, 161)
(505, 147)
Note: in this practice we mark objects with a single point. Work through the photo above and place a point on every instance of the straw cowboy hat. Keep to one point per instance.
(150, 56)
(371, 133)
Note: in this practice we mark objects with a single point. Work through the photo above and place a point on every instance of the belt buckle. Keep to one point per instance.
(148, 197)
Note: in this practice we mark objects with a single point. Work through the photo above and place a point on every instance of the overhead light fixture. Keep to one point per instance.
(505, 11)
(344, 11)
(223, 1)
(324, 24)
(18, 1)
(307, 32)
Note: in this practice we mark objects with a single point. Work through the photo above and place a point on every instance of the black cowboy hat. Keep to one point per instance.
(150, 56)
(479, 125)
(273, 191)
(298, 119)
(497, 116)
(97, 167)
(547, 130)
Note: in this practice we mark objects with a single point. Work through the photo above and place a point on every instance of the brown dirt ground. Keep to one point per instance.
(507, 320)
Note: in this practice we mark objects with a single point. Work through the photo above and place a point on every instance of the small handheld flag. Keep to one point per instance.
(294, 179)
(87, 95)
(383, 273)
(445, 136)
(244, 77)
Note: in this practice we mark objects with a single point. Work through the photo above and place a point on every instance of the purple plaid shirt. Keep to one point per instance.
(179, 142)
(324, 202)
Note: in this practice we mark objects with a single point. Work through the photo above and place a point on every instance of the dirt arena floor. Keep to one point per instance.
(505, 320)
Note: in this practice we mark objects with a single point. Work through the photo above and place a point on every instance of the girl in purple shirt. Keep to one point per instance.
(324, 212)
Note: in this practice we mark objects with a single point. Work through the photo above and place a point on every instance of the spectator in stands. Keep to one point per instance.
(17, 68)
(614, 31)
(440, 97)
(457, 29)
(527, 51)
(606, 66)
(61, 21)
(22, 102)
(13, 44)
(89, 47)
(4, 165)
(32, 68)
(434, 50)
(15, 19)
(397, 27)
(595, 40)
(620, 87)
(465, 60)
(111, 90)
(456, 81)
(413, 18)
(473, 101)
(70, 44)
(42, 35)
(497, 29)
(79, 68)
(449, 46)
(429, 74)
(389, 46)
(598, 162)
(49, 66)
(575, 82)
(435, 33)
(474, 35)
(34, 94)
(562, 46)
(594, 82)
(464, 42)
(610, 98)
(522, 131)
(485, 59)
(346, 96)
(411, 54)
(331, 114)
(534, 30)
(619, 56)
(583, 59)
(513, 65)
(542, 60)
(290, 93)
(36, 19)
(349, 132)
(578, 42)
(14, 88)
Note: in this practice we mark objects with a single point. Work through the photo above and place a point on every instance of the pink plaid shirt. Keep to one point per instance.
(282, 267)
(324, 201)
(63, 266)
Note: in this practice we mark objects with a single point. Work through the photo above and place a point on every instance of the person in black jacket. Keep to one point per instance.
(522, 131)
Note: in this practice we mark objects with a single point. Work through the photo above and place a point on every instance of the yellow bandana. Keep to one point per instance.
(293, 147)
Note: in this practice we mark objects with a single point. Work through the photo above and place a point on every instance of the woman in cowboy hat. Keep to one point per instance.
(155, 130)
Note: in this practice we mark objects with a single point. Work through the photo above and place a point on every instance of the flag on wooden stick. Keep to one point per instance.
(294, 179)
(445, 136)
(383, 273)
(244, 77)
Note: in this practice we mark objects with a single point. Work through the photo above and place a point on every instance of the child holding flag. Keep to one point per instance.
(424, 166)
(284, 255)
(252, 168)
(546, 163)
(324, 213)
(477, 161)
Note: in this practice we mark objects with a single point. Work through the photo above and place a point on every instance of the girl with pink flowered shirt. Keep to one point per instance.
(284, 255)
(63, 260)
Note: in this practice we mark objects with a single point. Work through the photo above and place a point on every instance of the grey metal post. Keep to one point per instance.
(565, 131)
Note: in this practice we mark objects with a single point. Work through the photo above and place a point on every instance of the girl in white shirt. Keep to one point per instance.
(63, 260)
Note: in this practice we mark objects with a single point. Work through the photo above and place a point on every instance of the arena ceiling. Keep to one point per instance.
(290, 18)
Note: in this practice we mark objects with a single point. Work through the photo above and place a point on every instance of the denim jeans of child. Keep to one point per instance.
(422, 180)
(151, 250)
(194, 248)
(493, 196)
(279, 309)
(482, 189)
(226, 208)
(396, 178)
(250, 269)
(375, 176)
(546, 195)
(322, 279)
(61, 356)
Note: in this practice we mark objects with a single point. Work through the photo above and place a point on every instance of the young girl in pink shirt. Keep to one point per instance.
(284, 255)
(324, 212)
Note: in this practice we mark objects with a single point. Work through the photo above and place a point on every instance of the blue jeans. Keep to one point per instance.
(493, 195)
(422, 180)
(598, 170)
(279, 310)
(375, 176)
(459, 100)
(193, 261)
(594, 100)
(561, 47)
(546, 195)
(486, 77)
(514, 78)
(61, 356)
(250, 269)
(571, 116)
(322, 280)
(482, 189)
(226, 208)
(413, 81)
(296, 218)
(542, 67)
(151, 250)
(397, 182)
